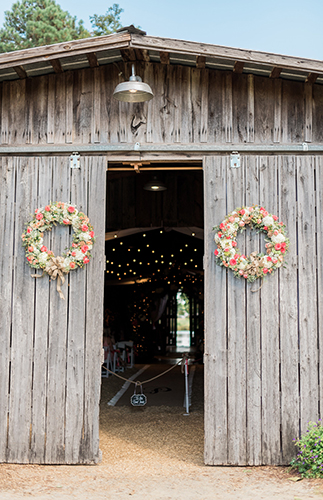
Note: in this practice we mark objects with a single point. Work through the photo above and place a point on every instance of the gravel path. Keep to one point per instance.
(154, 453)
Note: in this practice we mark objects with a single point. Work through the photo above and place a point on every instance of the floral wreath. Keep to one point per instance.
(257, 265)
(38, 255)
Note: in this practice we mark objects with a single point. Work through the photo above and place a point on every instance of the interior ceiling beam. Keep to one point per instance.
(238, 67)
(56, 64)
(93, 60)
(200, 62)
(275, 72)
(20, 72)
(164, 57)
(311, 78)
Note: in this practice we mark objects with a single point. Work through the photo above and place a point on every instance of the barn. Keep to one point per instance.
(226, 128)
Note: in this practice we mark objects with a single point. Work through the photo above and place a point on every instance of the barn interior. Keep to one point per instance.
(154, 259)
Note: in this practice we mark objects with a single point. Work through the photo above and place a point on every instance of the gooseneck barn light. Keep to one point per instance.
(134, 90)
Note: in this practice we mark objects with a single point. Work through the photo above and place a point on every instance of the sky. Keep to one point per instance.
(289, 27)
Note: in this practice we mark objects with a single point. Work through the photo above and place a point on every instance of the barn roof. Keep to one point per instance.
(133, 45)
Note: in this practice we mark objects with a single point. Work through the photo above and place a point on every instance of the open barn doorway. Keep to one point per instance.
(154, 279)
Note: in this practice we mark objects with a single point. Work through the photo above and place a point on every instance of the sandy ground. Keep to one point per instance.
(154, 453)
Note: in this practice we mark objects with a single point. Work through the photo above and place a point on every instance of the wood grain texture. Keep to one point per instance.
(216, 369)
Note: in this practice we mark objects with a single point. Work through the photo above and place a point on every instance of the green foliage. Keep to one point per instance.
(32, 23)
(309, 460)
(107, 23)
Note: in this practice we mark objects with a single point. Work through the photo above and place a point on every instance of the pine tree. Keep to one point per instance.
(32, 23)
(107, 23)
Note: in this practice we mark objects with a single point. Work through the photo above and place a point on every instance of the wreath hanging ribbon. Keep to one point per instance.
(257, 265)
(38, 255)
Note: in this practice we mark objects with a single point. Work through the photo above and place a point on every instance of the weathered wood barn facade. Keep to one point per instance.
(263, 350)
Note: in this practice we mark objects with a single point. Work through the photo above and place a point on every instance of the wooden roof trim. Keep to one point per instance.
(57, 67)
(233, 54)
(66, 49)
(311, 78)
(238, 67)
(20, 72)
(275, 72)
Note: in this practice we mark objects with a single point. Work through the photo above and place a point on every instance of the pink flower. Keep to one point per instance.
(74, 245)
(275, 217)
(216, 252)
(234, 243)
(258, 221)
(233, 262)
(241, 223)
(50, 252)
(231, 219)
(265, 228)
(265, 213)
(66, 221)
(278, 246)
(265, 270)
(84, 248)
(43, 249)
(91, 233)
(227, 249)
(73, 254)
(39, 216)
(269, 259)
(86, 260)
(283, 250)
(29, 230)
(47, 208)
(243, 256)
(281, 223)
(236, 256)
(275, 261)
(84, 228)
(219, 235)
(29, 259)
(241, 272)
(275, 232)
(221, 225)
(72, 265)
(245, 276)
(71, 209)
(30, 249)
(228, 237)
(242, 212)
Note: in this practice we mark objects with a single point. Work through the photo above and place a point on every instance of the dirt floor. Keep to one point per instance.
(154, 453)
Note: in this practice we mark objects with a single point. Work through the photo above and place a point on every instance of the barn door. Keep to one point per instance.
(263, 346)
(50, 348)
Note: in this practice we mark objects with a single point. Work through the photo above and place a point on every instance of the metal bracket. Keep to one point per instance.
(75, 160)
(235, 159)
(137, 146)
(305, 146)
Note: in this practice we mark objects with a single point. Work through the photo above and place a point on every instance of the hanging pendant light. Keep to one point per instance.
(155, 185)
(134, 90)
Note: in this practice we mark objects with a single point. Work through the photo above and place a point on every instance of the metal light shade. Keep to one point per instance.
(134, 90)
(155, 185)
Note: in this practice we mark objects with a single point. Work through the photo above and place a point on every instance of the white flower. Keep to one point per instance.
(217, 238)
(230, 228)
(278, 238)
(67, 262)
(242, 264)
(86, 236)
(78, 255)
(43, 258)
(268, 220)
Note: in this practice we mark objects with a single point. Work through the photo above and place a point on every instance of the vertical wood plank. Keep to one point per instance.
(204, 105)
(251, 109)
(215, 317)
(227, 107)
(149, 75)
(196, 103)
(253, 328)
(277, 109)
(96, 127)
(237, 417)
(94, 310)
(57, 331)
(29, 134)
(22, 322)
(308, 91)
(60, 109)
(39, 109)
(319, 232)
(186, 106)
(5, 105)
(17, 101)
(289, 310)
(69, 93)
(215, 107)
(40, 341)
(51, 109)
(76, 333)
(7, 200)
(307, 281)
(270, 339)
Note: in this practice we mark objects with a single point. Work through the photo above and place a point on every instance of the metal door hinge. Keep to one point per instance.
(75, 160)
(235, 159)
